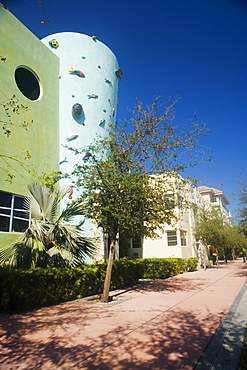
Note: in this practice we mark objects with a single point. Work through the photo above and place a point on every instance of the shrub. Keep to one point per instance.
(27, 289)
(126, 272)
(162, 268)
(192, 264)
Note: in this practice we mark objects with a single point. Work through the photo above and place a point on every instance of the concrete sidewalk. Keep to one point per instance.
(157, 325)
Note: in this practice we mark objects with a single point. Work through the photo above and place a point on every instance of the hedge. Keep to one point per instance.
(28, 289)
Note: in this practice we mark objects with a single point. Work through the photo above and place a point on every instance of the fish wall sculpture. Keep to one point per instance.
(72, 137)
(76, 72)
(77, 110)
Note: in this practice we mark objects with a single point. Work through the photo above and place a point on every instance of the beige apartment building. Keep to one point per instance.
(178, 239)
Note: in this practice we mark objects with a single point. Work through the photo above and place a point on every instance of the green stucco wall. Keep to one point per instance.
(21, 48)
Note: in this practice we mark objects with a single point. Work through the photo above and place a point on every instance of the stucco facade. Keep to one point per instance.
(74, 99)
(215, 198)
(26, 61)
(88, 88)
(69, 83)
(177, 240)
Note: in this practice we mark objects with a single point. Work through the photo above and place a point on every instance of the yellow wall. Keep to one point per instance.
(21, 48)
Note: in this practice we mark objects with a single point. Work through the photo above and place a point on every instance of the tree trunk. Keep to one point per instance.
(105, 295)
(205, 257)
(225, 257)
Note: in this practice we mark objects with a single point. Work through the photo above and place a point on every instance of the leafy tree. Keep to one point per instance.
(214, 229)
(122, 184)
(50, 240)
(243, 203)
(237, 241)
(242, 215)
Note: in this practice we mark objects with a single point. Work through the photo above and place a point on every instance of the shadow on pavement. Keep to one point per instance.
(43, 341)
(76, 335)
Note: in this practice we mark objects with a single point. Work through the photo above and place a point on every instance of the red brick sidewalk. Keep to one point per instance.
(158, 325)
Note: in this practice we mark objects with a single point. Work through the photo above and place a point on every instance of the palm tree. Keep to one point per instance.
(50, 240)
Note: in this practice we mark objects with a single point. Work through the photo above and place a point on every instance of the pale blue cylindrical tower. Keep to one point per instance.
(88, 92)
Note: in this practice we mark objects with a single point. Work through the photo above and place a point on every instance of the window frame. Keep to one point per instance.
(183, 238)
(180, 201)
(137, 242)
(170, 201)
(172, 240)
(25, 78)
(10, 216)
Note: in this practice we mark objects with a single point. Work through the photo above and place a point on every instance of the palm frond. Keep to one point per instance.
(69, 237)
(38, 230)
(61, 257)
(36, 249)
(49, 241)
(72, 210)
(43, 202)
(5, 253)
(21, 256)
(26, 252)
(33, 207)
(26, 256)
(87, 247)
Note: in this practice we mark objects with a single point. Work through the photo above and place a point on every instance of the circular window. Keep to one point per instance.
(27, 83)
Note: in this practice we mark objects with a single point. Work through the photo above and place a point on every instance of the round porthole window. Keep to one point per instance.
(27, 83)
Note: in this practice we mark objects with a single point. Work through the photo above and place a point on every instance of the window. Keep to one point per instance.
(214, 200)
(136, 255)
(27, 83)
(13, 215)
(183, 238)
(170, 201)
(180, 202)
(172, 238)
(137, 242)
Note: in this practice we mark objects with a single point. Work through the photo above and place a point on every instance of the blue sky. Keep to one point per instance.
(196, 49)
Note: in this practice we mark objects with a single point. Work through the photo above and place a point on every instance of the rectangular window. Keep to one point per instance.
(172, 238)
(13, 215)
(137, 242)
(136, 255)
(180, 202)
(170, 201)
(183, 238)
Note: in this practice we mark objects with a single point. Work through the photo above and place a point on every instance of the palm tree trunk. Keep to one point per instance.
(105, 295)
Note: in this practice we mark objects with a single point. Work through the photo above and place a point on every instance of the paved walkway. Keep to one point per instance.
(164, 324)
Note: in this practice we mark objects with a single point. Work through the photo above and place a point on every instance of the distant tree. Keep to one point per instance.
(51, 239)
(242, 214)
(122, 183)
(237, 241)
(212, 228)
(243, 207)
